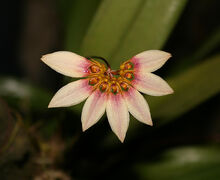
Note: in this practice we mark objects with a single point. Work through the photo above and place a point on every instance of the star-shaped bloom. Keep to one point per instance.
(116, 92)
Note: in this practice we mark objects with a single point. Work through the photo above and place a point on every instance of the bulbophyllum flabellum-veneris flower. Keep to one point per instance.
(113, 91)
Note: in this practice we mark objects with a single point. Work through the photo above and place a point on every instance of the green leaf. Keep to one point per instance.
(191, 88)
(185, 163)
(111, 21)
(121, 28)
(80, 14)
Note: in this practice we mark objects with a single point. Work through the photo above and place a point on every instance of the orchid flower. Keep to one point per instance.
(113, 91)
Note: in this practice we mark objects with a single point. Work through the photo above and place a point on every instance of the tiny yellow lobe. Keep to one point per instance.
(114, 89)
(94, 69)
(103, 86)
(93, 81)
(129, 75)
(124, 86)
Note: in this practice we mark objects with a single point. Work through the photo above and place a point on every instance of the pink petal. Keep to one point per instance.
(93, 109)
(149, 61)
(67, 63)
(151, 84)
(71, 94)
(118, 115)
(137, 106)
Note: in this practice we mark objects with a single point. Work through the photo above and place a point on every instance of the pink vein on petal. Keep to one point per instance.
(93, 109)
(118, 115)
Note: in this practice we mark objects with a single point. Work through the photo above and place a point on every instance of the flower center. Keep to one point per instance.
(111, 81)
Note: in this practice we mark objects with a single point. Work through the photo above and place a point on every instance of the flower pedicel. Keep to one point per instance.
(115, 91)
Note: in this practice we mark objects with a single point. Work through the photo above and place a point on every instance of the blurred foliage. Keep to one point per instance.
(8, 128)
(143, 25)
(38, 143)
(192, 87)
(21, 93)
(183, 163)
(210, 44)
(77, 25)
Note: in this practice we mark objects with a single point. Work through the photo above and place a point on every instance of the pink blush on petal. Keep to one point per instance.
(136, 63)
(93, 109)
(85, 66)
(85, 85)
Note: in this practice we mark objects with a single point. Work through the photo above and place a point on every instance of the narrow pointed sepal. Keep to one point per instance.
(118, 115)
(67, 63)
(149, 61)
(151, 84)
(93, 109)
(138, 106)
(71, 94)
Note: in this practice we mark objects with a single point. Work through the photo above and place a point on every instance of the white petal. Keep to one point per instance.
(149, 61)
(67, 63)
(151, 84)
(71, 94)
(93, 109)
(118, 115)
(137, 106)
